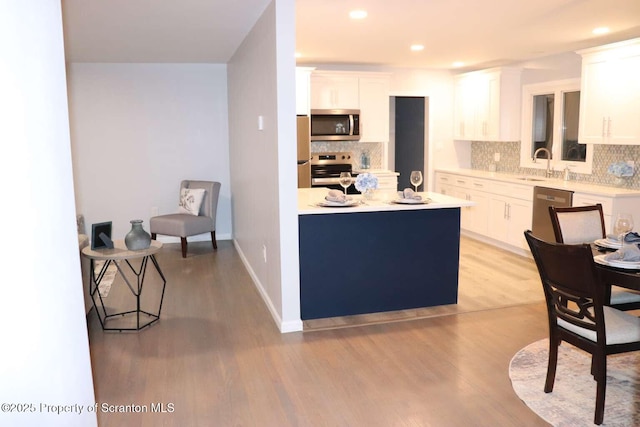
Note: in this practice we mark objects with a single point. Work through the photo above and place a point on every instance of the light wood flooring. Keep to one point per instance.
(217, 357)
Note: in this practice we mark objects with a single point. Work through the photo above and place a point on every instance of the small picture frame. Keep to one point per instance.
(101, 236)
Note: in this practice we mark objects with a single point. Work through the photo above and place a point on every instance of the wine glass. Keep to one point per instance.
(345, 180)
(623, 225)
(416, 179)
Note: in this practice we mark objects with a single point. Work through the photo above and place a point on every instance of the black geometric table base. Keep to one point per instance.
(143, 318)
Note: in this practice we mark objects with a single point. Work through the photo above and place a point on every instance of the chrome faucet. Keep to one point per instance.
(549, 172)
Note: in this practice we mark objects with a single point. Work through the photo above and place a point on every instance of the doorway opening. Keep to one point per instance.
(409, 140)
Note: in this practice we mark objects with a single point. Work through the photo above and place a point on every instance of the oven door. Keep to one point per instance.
(333, 183)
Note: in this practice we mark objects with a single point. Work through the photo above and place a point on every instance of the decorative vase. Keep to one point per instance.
(137, 239)
(368, 193)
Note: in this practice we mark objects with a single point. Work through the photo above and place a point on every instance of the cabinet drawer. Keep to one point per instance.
(522, 192)
(445, 178)
(584, 200)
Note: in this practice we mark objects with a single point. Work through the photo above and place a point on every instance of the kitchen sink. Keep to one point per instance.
(530, 178)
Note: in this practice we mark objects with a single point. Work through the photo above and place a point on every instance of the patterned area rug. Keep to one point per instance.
(107, 279)
(572, 402)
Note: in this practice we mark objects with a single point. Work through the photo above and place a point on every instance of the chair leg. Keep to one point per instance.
(551, 365)
(183, 243)
(213, 240)
(601, 378)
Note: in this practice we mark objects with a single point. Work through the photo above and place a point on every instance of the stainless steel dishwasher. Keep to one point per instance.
(544, 197)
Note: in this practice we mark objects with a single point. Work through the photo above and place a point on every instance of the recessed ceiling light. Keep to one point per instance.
(358, 14)
(600, 30)
(457, 64)
(417, 47)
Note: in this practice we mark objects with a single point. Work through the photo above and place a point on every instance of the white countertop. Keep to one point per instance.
(576, 186)
(308, 199)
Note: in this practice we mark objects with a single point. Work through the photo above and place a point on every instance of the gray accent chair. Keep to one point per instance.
(185, 225)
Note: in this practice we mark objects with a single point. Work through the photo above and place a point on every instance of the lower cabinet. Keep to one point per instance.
(508, 219)
(502, 211)
(611, 207)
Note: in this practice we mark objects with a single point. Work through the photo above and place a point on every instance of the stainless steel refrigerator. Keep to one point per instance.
(304, 152)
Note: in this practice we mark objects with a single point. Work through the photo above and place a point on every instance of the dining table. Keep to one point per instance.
(610, 275)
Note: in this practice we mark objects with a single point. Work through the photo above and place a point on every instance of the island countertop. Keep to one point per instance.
(308, 199)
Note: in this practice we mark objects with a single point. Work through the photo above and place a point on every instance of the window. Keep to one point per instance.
(550, 121)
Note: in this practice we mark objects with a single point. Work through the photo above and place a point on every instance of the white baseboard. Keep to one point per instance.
(496, 243)
(284, 327)
(206, 237)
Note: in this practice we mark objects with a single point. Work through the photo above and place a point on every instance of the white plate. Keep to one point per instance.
(330, 204)
(630, 265)
(608, 243)
(411, 201)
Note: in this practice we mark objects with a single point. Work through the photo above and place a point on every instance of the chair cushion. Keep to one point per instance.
(190, 200)
(620, 327)
(181, 225)
(618, 296)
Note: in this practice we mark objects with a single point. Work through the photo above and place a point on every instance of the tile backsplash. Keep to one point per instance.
(603, 156)
(356, 147)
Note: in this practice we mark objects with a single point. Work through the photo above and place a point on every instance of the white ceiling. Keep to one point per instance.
(482, 33)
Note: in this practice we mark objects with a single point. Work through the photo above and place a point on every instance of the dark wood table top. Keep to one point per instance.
(625, 278)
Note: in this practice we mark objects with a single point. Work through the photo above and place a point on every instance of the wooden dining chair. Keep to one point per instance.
(576, 313)
(585, 224)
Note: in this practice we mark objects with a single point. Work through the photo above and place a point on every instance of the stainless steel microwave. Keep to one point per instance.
(335, 125)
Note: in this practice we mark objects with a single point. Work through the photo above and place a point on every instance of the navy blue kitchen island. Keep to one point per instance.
(378, 257)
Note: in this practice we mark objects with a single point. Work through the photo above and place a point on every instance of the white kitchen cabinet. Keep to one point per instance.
(611, 206)
(374, 108)
(334, 90)
(610, 94)
(303, 88)
(487, 105)
(509, 218)
(472, 218)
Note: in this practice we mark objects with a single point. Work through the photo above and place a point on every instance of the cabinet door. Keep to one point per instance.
(303, 81)
(594, 101)
(488, 108)
(464, 108)
(374, 109)
(624, 102)
(519, 219)
(334, 92)
(498, 220)
(479, 214)
(610, 96)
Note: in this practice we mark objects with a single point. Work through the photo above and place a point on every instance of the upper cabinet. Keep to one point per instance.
(331, 90)
(364, 91)
(487, 105)
(610, 94)
(303, 84)
(374, 108)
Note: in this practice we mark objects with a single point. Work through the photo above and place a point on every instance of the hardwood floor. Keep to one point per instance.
(218, 359)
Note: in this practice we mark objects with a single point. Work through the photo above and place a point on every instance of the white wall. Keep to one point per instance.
(45, 350)
(137, 130)
(261, 78)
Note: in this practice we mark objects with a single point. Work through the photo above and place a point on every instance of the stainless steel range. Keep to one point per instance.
(326, 169)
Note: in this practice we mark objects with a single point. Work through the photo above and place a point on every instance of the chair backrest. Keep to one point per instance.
(209, 204)
(578, 224)
(570, 282)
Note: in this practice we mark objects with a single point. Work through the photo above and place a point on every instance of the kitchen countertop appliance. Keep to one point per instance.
(335, 125)
(544, 197)
(326, 168)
